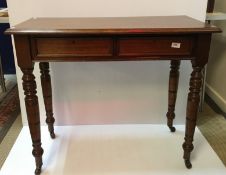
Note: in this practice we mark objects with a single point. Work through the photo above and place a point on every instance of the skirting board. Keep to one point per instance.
(216, 97)
(113, 150)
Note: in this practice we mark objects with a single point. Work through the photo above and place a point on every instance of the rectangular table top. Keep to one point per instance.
(113, 25)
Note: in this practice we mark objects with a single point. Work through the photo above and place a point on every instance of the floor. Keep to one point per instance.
(213, 128)
(211, 125)
(120, 149)
(10, 81)
(9, 106)
(10, 139)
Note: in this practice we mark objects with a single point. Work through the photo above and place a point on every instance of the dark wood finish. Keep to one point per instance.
(108, 48)
(210, 6)
(155, 46)
(32, 108)
(113, 49)
(172, 94)
(192, 109)
(47, 96)
(31, 100)
(72, 47)
(115, 25)
(172, 38)
(198, 63)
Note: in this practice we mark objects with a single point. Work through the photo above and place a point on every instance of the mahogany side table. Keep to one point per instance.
(173, 38)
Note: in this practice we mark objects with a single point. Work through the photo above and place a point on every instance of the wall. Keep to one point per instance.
(216, 81)
(113, 92)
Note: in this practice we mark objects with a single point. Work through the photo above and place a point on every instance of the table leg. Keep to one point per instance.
(172, 94)
(47, 95)
(203, 89)
(32, 108)
(192, 110)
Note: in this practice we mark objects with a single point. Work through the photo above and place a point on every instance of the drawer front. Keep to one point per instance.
(72, 47)
(155, 46)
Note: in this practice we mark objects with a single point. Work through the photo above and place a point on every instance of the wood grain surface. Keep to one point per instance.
(110, 25)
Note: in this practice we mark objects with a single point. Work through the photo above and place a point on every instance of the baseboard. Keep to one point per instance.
(216, 98)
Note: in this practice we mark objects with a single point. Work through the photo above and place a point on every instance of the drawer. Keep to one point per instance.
(71, 47)
(155, 46)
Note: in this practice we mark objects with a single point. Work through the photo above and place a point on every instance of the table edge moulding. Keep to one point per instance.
(173, 38)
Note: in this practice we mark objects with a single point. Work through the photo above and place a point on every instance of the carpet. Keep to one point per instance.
(213, 128)
(9, 110)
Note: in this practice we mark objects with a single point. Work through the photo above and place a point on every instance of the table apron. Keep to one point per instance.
(111, 48)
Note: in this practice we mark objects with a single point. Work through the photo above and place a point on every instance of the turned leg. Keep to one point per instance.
(192, 109)
(47, 95)
(32, 108)
(172, 94)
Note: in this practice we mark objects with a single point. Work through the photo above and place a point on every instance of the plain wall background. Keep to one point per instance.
(112, 92)
(216, 81)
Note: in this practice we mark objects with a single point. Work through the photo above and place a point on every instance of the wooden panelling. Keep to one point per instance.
(155, 46)
(72, 47)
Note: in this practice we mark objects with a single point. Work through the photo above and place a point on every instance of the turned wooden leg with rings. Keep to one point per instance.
(47, 95)
(192, 110)
(32, 108)
(172, 94)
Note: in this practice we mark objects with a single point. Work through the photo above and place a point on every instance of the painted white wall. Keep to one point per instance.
(112, 92)
(216, 71)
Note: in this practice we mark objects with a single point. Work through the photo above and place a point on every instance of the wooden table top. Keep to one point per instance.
(113, 25)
